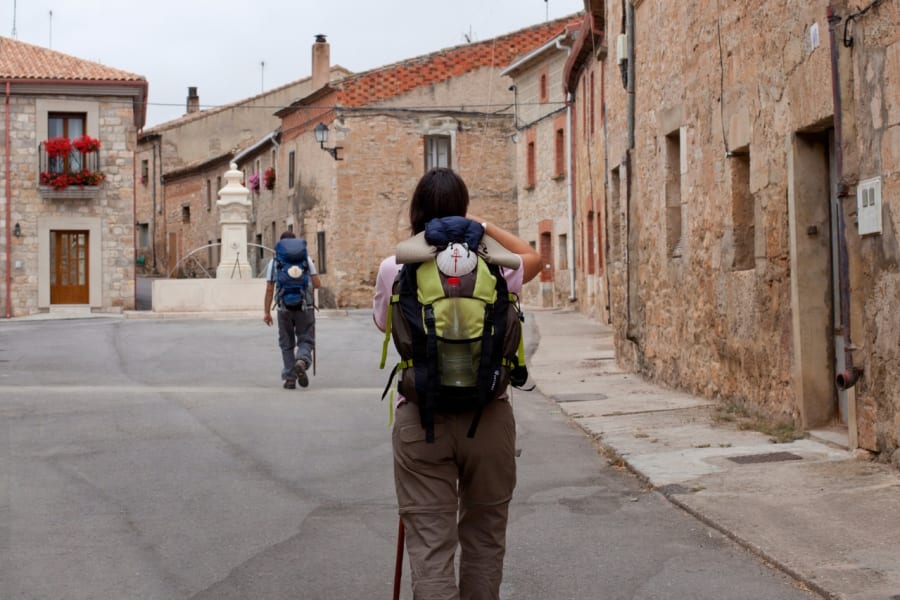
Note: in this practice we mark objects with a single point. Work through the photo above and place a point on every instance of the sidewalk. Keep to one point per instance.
(809, 507)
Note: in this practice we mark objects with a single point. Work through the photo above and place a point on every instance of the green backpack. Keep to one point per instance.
(459, 339)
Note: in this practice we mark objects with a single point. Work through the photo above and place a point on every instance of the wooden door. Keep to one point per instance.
(69, 277)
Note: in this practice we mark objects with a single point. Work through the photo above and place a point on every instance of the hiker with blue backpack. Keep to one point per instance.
(291, 278)
(448, 298)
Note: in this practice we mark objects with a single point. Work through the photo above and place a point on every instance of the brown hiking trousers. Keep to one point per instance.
(455, 491)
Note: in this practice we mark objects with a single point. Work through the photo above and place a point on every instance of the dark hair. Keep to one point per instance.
(439, 193)
(287, 235)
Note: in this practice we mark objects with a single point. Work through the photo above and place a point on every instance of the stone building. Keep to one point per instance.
(68, 218)
(748, 180)
(180, 165)
(385, 128)
(542, 120)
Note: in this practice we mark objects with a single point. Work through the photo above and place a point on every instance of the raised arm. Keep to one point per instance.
(531, 260)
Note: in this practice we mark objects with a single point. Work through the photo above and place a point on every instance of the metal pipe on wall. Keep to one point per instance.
(570, 213)
(7, 166)
(629, 86)
(849, 376)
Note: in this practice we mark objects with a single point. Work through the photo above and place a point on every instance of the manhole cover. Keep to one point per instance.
(764, 458)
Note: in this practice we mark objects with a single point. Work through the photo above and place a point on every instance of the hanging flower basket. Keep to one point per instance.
(86, 144)
(58, 147)
(59, 181)
(270, 178)
(253, 183)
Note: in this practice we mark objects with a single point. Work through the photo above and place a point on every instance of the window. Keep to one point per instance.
(259, 248)
(615, 213)
(208, 195)
(143, 235)
(563, 252)
(437, 151)
(560, 153)
(530, 175)
(544, 91)
(186, 214)
(742, 213)
(674, 216)
(145, 171)
(546, 252)
(589, 255)
(70, 126)
(291, 163)
(320, 256)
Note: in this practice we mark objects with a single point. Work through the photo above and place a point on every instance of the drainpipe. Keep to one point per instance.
(570, 214)
(157, 148)
(7, 173)
(570, 183)
(606, 246)
(847, 378)
(629, 87)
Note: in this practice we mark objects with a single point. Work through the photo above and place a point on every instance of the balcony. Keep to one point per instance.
(70, 169)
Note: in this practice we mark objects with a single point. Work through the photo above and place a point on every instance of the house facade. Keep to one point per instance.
(747, 181)
(543, 122)
(69, 134)
(385, 128)
(180, 164)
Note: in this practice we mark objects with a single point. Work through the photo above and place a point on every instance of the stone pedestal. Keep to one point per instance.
(234, 210)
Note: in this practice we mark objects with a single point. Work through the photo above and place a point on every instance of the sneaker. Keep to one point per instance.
(300, 370)
(290, 384)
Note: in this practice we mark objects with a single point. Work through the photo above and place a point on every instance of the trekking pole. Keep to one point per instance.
(398, 566)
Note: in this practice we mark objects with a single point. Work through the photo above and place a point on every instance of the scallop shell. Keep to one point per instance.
(456, 260)
(295, 272)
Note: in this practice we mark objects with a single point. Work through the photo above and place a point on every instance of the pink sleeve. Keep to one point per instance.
(514, 278)
(384, 285)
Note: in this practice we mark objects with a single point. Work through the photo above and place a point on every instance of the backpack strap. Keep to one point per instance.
(387, 331)
(420, 319)
(490, 284)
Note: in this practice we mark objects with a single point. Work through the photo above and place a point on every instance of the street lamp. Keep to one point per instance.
(321, 131)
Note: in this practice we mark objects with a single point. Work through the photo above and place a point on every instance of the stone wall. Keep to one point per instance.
(109, 213)
(361, 204)
(715, 215)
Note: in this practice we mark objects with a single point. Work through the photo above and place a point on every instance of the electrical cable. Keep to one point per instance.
(721, 78)
(848, 41)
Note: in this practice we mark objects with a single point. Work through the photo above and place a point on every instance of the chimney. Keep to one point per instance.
(321, 62)
(193, 100)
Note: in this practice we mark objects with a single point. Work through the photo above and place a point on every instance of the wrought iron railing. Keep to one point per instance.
(75, 168)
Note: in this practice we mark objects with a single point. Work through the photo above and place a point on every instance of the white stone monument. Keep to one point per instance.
(234, 211)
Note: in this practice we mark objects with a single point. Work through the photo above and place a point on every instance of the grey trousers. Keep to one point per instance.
(455, 491)
(296, 338)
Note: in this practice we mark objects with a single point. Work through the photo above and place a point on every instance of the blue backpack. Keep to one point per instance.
(291, 273)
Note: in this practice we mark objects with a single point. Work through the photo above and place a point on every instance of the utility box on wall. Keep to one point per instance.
(868, 206)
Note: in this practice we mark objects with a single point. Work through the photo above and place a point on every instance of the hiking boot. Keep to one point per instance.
(300, 370)
(290, 384)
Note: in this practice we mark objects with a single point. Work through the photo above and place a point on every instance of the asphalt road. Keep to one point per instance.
(161, 459)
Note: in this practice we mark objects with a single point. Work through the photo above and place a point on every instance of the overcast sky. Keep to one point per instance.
(233, 50)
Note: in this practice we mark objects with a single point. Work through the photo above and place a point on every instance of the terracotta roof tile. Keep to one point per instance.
(391, 80)
(19, 60)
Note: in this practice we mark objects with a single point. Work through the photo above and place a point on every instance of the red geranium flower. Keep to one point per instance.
(58, 147)
(86, 144)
